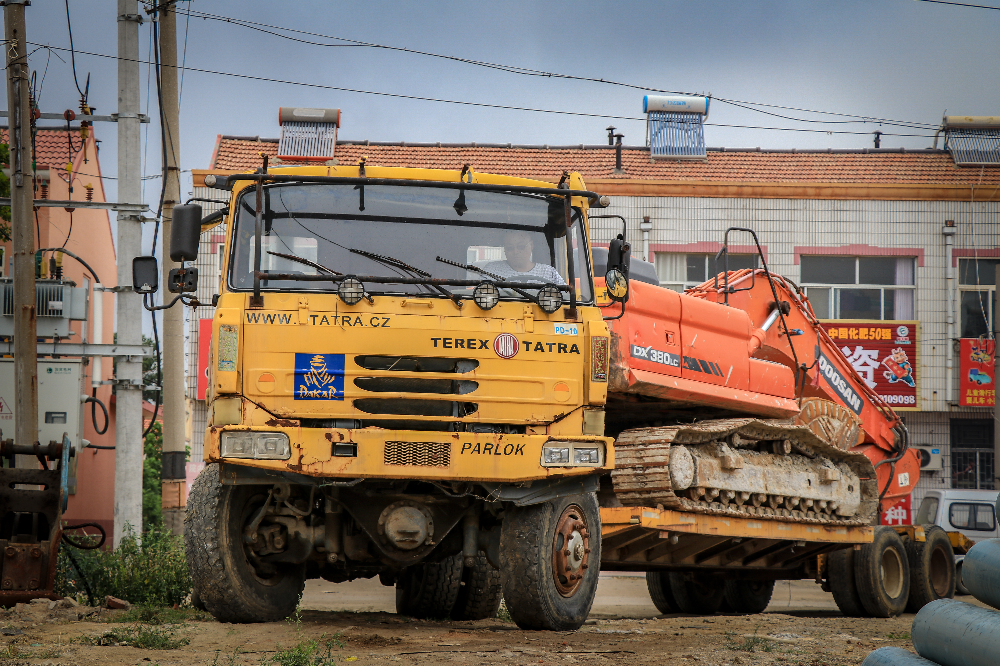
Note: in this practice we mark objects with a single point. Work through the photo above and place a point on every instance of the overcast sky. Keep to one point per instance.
(903, 60)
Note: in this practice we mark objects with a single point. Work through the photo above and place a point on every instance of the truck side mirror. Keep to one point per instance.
(185, 232)
(617, 285)
(620, 255)
(145, 275)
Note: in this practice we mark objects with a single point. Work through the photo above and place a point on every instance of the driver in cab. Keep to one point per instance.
(519, 265)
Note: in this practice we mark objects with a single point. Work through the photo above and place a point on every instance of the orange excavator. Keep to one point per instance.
(731, 401)
(756, 400)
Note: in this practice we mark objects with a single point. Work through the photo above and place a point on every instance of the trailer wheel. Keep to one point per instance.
(960, 587)
(550, 555)
(882, 574)
(697, 593)
(428, 590)
(932, 569)
(748, 596)
(480, 592)
(840, 575)
(658, 584)
(231, 583)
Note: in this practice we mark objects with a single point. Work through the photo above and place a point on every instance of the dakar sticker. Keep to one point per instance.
(319, 376)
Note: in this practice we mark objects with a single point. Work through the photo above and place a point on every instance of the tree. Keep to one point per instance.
(152, 487)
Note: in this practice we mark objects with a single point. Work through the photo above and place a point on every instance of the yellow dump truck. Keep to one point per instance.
(390, 395)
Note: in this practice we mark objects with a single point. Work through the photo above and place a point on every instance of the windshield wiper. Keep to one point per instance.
(397, 263)
(300, 260)
(499, 279)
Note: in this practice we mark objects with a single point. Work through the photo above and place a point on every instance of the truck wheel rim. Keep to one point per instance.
(570, 550)
(892, 573)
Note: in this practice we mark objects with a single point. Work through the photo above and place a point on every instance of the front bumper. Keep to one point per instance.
(408, 454)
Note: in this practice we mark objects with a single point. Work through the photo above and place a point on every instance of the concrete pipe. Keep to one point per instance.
(894, 656)
(953, 633)
(981, 572)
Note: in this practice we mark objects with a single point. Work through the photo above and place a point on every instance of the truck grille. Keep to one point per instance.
(422, 454)
(414, 385)
(417, 363)
(415, 407)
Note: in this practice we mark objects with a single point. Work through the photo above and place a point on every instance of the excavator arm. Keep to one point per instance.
(785, 330)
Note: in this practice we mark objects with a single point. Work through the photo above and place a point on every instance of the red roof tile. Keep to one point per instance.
(548, 163)
(52, 148)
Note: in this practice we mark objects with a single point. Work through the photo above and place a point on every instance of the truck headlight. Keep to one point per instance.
(555, 455)
(256, 445)
(572, 454)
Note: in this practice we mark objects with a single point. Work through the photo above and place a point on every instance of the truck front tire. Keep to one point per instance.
(697, 593)
(840, 575)
(550, 557)
(229, 584)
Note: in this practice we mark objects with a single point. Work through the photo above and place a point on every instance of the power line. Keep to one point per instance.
(961, 4)
(268, 29)
(72, 55)
(504, 107)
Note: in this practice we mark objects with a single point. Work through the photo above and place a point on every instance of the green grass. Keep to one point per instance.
(503, 614)
(148, 614)
(753, 643)
(901, 636)
(308, 653)
(142, 636)
(151, 570)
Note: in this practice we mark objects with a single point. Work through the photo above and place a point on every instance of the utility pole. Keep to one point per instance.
(128, 374)
(22, 232)
(174, 403)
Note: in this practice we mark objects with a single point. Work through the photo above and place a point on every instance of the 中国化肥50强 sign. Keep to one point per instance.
(884, 354)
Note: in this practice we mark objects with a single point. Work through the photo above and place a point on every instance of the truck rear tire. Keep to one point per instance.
(748, 597)
(697, 593)
(658, 584)
(229, 583)
(428, 590)
(840, 575)
(480, 592)
(932, 568)
(882, 574)
(550, 558)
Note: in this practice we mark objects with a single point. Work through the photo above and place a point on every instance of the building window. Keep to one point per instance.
(977, 296)
(683, 271)
(972, 454)
(876, 288)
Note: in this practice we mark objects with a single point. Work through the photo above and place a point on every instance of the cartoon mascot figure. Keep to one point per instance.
(899, 368)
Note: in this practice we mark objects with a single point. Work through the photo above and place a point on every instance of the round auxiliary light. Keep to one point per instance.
(550, 298)
(351, 290)
(486, 295)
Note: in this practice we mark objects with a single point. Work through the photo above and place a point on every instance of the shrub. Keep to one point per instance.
(151, 570)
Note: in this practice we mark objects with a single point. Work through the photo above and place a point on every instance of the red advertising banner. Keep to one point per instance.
(977, 385)
(884, 353)
(204, 350)
(900, 513)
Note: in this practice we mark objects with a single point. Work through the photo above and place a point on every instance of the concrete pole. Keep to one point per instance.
(948, 231)
(22, 229)
(129, 311)
(174, 404)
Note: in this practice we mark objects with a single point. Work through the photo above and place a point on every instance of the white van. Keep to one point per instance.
(971, 512)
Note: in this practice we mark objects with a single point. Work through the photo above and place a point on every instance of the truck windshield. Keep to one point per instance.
(516, 237)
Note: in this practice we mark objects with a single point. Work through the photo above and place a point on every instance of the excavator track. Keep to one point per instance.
(794, 470)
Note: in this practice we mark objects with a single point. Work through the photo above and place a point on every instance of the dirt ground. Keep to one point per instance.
(802, 626)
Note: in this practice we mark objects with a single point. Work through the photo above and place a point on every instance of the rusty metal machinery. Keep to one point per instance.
(33, 496)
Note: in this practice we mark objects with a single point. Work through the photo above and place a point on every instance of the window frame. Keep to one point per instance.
(973, 518)
(682, 285)
(989, 289)
(833, 290)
